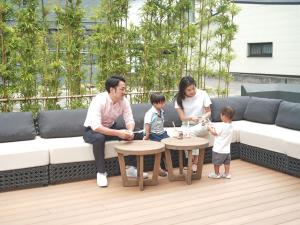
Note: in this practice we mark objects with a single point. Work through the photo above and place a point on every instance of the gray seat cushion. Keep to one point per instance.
(238, 103)
(288, 115)
(16, 126)
(262, 110)
(61, 123)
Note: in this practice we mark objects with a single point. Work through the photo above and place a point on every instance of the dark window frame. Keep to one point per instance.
(260, 46)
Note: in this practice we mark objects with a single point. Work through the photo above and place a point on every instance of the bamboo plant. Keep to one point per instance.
(109, 37)
(51, 62)
(69, 19)
(28, 32)
(224, 34)
(8, 45)
(152, 56)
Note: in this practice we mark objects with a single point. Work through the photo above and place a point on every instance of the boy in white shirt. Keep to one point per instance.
(221, 148)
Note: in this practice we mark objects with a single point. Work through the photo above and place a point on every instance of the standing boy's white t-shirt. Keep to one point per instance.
(223, 139)
(194, 106)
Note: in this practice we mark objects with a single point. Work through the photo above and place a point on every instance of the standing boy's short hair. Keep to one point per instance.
(228, 112)
(157, 98)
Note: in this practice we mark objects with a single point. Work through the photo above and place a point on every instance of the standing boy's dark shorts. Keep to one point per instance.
(219, 158)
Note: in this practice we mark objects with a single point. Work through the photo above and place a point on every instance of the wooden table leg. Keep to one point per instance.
(180, 162)
(138, 166)
(122, 169)
(189, 170)
(141, 171)
(154, 180)
(199, 165)
(169, 165)
(126, 182)
(156, 168)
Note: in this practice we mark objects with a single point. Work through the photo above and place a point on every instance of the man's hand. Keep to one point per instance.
(126, 135)
(131, 135)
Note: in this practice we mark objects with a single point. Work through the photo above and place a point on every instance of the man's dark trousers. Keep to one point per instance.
(98, 141)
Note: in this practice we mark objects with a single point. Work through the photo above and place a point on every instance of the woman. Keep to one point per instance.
(193, 107)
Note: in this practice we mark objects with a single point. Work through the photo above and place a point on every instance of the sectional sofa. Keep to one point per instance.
(50, 148)
(287, 92)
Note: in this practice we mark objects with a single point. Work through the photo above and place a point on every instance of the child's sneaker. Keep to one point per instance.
(214, 176)
(228, 176)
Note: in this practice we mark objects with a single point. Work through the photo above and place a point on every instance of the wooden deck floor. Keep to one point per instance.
(254, 195)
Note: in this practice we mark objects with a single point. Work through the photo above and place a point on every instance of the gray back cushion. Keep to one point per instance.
(171, 115)
(288, 115)
(238, 103)
(262, 110)
(16, 126)
(138, 111)
(61, 123)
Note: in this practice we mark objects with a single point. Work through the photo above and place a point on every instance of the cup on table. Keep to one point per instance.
(187, 134)
(180, 134)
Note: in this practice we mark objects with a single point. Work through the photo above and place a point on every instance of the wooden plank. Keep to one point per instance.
(292, 222)
(281, 217)
(107, 192)
(254, 194)
(123, 210)
(150, 214)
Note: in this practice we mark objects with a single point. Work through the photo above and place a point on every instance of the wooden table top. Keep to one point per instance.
(185, 143)
(140, 147)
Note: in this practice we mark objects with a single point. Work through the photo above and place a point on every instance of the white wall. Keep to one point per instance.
(279, 24)
(135, 9)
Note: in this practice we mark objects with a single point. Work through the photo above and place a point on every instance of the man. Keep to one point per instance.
(103, 111)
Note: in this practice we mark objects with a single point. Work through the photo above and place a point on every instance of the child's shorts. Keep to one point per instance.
(219, 159)
(158, 137)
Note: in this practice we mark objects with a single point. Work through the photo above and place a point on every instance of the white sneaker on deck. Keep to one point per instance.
(102, 179)
(214, 176)
(131, 171)
(228, 176)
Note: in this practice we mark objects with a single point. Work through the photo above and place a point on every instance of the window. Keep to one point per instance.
(260, 49)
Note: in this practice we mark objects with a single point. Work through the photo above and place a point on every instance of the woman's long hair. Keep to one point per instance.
(183, 84)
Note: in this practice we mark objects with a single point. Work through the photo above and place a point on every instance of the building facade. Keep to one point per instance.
(267, 42)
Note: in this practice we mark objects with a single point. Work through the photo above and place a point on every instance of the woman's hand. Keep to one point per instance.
(194, 119)
(212, 130)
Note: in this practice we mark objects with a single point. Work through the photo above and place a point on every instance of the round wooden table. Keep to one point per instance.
(180, 145)
(139, 148)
